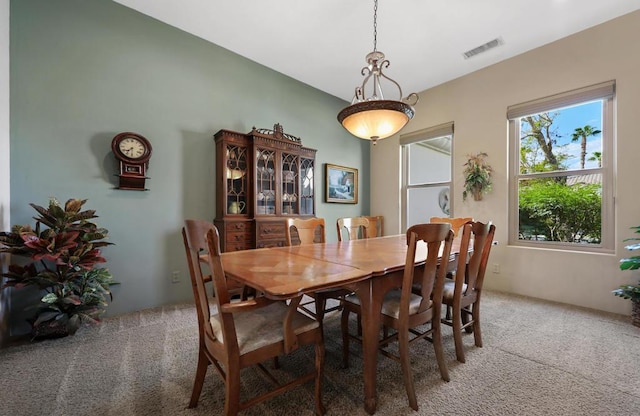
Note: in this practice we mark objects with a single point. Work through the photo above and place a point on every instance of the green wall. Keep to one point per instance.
(84, 70)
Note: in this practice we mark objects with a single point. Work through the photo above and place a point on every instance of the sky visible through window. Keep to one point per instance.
(567, 121)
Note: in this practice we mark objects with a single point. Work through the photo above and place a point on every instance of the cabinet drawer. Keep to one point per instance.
(271, 243)
(270, 230)
(237, 246)
(234, 226)
(233, 237)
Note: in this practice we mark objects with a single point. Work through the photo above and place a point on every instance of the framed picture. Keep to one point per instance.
(341, 184)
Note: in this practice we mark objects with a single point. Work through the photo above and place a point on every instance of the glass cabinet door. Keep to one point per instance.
(236, 169)
(306, 190)
(290, 179)
(265, 182)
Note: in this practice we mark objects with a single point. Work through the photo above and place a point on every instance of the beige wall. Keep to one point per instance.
(477, 104)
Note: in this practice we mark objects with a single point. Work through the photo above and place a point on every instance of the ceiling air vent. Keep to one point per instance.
(483, 48)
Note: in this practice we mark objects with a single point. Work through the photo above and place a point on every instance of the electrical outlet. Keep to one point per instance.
(175, 276)
(496, 268)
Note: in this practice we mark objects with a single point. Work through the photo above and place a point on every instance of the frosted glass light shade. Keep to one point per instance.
(375, 119)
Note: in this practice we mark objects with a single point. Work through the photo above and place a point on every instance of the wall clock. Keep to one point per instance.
(133, 152)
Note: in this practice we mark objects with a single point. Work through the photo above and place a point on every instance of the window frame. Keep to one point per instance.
(603, 91)
(441, 130)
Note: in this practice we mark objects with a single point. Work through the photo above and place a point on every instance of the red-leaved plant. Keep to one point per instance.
(64, 258)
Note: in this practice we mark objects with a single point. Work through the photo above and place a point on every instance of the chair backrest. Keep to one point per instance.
(356, 227)
(475, 266)
(306, 229)
(430, 278)
(456, 223)
(194, 237)
(376, 225)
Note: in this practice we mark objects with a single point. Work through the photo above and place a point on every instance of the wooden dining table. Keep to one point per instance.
(368, 267)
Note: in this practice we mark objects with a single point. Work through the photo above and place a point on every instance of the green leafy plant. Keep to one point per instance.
(64, 249)
(560, 212)
(631, 292)
(477, 176)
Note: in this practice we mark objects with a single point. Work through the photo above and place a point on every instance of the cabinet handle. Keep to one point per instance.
(239, 226)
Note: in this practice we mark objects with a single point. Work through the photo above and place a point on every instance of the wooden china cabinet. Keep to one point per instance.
(262, 177)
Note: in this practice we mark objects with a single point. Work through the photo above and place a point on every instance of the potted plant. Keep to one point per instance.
(631, 292)
(477, 176)
(63, 253)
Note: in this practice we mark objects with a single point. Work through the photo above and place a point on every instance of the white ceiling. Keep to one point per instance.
(323, 43)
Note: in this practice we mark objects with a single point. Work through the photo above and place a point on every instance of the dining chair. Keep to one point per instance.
(355, 227)
(376, 225)
(243, 333)
(462, 294)
(404, 311)
(456, 223)
(310, 231)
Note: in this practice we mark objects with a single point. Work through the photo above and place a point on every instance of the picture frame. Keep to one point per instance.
(341, 184)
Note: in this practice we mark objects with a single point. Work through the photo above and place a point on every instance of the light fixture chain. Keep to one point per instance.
(375, 25)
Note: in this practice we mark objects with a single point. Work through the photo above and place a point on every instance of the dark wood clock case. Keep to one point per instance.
(132, 171)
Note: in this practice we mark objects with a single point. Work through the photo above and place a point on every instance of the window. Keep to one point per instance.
(562, 159)
(426, 178)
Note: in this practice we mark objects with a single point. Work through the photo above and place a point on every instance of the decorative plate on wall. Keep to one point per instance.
(443, 200)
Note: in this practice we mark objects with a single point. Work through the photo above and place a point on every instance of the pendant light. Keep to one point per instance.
(374, 117)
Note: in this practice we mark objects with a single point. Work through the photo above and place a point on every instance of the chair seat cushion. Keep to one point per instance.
(449, 287)
(260, 327)
(391, 303)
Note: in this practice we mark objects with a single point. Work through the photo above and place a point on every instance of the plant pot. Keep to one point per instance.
(50, 330)
(635, 312)
(477, 194)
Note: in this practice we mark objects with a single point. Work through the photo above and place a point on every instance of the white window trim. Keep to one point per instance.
(604, 91)
(444, 129)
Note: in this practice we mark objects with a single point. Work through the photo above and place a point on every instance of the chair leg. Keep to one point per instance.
(477, 335)
(465, 319)
(319, 407)
(407, 375)
(437, 346)
(321, 304)
(344, 325)
(232, 391)
(201, 371)
(457, 333)
(447, 315)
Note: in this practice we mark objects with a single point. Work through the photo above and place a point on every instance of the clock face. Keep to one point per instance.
(132, 147)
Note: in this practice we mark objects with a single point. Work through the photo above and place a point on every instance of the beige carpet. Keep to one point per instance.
(539, 358)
